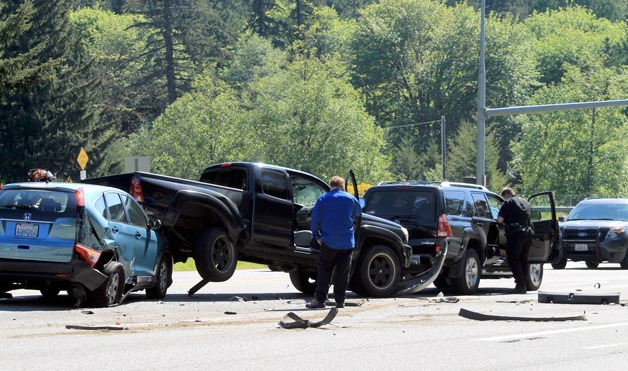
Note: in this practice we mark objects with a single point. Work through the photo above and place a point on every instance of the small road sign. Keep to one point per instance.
(82, 158)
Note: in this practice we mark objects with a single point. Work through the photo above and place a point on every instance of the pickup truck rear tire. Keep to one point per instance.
(377, 272)
(534, 276)
(215, 255)
(303, 281)
(468, 283)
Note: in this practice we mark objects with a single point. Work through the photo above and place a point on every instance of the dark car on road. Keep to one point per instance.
(595, 231)
(462, 217)
(95, 242)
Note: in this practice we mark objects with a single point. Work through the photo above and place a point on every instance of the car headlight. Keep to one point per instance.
(405, 233)
(615, 232)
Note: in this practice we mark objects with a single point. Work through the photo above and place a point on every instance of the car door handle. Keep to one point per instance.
(138, 235)
(479, 224)
(115, 229)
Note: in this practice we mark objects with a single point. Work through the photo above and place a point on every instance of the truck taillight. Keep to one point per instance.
(80, 197)
(444, 230)
(136, 190)
(87, 254)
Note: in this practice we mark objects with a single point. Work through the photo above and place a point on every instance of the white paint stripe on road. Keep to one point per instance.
(551, 332)
(605, 346)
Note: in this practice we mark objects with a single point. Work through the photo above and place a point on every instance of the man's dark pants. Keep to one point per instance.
(329, 258)
(517, 248)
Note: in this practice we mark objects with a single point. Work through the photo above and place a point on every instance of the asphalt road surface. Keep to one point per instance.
(234, 325)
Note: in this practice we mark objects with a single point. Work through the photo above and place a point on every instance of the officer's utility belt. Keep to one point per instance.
(513, 228)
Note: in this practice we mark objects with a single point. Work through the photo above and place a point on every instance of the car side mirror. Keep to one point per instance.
(154, 223)
(362, 202)
(561, 219)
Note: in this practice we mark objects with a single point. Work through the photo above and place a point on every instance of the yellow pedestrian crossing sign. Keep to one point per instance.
(82, 158)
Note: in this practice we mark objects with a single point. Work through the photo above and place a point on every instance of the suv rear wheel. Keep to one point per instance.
(561, 264)
(592, 264)
(377, 272)
(470, 280)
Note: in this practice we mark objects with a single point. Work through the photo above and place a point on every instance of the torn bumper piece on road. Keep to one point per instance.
(423, 280)
(298, 322)
(578, 298)
(490, 317)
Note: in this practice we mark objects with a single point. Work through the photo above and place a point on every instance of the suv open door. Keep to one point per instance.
(545, 242)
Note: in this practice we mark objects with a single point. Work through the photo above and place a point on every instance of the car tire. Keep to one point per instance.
(592, 264)
(303, 281)
(624, 263)
(561, 264)
(534, 276)
(377, 272)
(110, 292)
(468, 283)
(441, 282)
(215, 255)
(163, 278)
(50, 292)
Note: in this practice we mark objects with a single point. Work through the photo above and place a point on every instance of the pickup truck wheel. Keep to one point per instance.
(377, 272)
(163, 278)
(215, 255)
(592, 264)
(534, 276)
(470, 280)
(561, 264)
(110, 292)
(304, 281)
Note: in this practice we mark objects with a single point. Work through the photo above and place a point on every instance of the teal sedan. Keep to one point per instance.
(95, 242)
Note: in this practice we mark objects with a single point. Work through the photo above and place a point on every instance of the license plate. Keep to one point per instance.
(27, 230)
(582, 247)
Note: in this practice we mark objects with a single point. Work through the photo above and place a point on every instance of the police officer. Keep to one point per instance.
(515, 215)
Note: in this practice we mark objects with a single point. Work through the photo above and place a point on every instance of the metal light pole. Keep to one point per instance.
(442, 145)
(480, 162)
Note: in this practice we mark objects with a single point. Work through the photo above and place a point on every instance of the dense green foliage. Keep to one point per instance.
(321, 86)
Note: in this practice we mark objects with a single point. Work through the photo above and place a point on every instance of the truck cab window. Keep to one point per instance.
(274, 184)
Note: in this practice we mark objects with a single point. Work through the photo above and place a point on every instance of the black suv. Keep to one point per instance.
(462, 218)
(596, 230)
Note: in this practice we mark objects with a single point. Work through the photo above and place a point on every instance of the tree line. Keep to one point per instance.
(321, 86)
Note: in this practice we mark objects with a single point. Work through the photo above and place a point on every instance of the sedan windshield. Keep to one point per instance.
(600, 212)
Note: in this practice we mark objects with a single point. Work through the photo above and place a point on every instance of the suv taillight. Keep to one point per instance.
(87, 254)
(136, 190)
(80, 197)
(444, 230)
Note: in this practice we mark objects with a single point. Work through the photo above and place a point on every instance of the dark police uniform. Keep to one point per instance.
(516, 214)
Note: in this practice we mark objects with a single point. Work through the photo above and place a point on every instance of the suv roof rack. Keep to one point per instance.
(434, 182)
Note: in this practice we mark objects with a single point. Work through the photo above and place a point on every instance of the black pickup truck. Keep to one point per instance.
(261, 213)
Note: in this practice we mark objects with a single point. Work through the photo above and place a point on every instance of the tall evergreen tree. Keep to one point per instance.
(45, 120)
(184, 37)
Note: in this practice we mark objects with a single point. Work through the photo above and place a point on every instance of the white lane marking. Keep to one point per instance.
(605, 346)
(551, 332)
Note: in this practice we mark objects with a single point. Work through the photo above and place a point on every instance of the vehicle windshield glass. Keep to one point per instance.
(598, 211)
(36, 201)
(419, 206)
